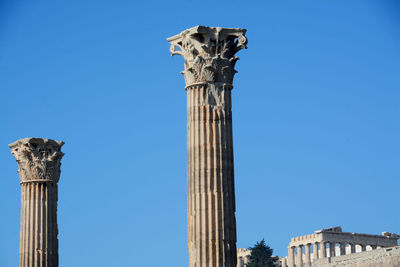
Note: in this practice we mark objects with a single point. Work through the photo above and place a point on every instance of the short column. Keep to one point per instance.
(342, 249)
(290, 257)
(332, 249)
(352, 248)
(300, 256)
(323, 249)
(308, 256)
(315, 251)
(363, 247)
(39, 162)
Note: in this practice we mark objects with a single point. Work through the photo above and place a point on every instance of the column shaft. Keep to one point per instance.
(315, 251)
(300, 256)
(308, 255)
(39, 230)
(332, 249)
(352, 248)
(342, 249)
(211, 198)
(323, 249)
(291, 258)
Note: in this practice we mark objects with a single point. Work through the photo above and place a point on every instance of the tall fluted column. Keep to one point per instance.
(39, 162)
(209, 55)
(299, 255)
(307, 255)
(315, 251)
(291, 259)
(323, 249)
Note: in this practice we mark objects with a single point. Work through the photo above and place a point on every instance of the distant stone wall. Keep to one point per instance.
(242, 257)
(383, 257)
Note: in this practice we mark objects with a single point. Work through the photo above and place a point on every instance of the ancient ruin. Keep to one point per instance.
(210, 59)
(382, 257)
(243, 255)
(39, 162)
(333, 242)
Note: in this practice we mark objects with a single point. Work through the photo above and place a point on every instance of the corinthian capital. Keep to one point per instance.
(38, 159)
(209, 53)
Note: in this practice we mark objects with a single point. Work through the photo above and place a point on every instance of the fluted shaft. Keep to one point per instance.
(323, 249)
(291, 257)
(299, 255)
(315, 251)
(307, 255)
(39, 230)
(332, 251)
(211, 195)
(39, 162)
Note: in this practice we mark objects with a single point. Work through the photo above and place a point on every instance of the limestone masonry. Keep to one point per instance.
(39, 162)
(210, 59)
(331, 243)
(243, 257)
(382, 257)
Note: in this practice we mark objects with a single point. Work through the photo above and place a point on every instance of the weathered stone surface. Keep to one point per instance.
(209, 53)
(347, 244)
(383, 257)
(39, 162)
(243, 257)
(38, 159)
(209, 69)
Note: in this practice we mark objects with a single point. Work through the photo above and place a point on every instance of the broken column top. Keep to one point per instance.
(209, 53)
(39, 159)
(32, 140)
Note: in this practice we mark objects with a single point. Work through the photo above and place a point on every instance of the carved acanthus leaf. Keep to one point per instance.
(209, 53)
(38, 159)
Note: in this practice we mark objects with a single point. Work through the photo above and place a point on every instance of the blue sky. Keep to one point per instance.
(315, 121)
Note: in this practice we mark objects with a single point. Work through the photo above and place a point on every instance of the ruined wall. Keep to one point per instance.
(383, 257)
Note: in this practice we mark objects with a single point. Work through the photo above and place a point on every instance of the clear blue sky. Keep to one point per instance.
(315, 113)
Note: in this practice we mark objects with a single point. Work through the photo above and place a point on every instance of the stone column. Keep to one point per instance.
(308, 255)
(342, 249)
(323, 249)
(291, 258)
(300, 256)
(315, 251)
(39, 162)
(283, 262)
(332, 249)
(352, 248)
(209, 55)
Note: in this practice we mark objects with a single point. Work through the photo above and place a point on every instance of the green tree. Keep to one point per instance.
(261, 256)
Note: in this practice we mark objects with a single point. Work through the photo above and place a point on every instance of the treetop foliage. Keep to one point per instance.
(261, 255)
